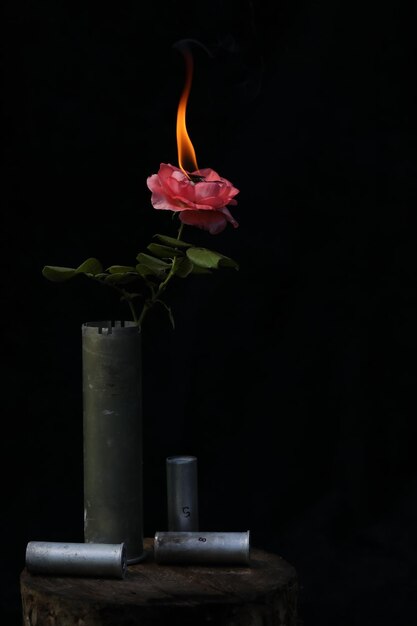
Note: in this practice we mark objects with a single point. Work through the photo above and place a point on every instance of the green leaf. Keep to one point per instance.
(201, 270)
(156, 265)
(172, 242)
(121, 279)
(90, 266)
(144, 270)
(163, 252)
(101, 276)
(202, 257)
(120, 269)
(183, 267)
(59, 274)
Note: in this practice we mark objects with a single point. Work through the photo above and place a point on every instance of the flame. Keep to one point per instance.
(186, 153)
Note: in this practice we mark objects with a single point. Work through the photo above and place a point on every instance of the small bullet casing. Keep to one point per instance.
(231, 548)
(182, 493)
(98, 560)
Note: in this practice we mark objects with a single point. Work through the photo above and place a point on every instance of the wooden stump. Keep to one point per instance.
(262, 594)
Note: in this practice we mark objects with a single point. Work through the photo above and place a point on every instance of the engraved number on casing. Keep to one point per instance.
(203, 539)
(186, 511)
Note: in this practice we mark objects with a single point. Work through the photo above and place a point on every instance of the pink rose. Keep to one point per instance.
(201, 199)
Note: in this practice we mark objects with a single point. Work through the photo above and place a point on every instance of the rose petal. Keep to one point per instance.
(229, 217)
(213, 221)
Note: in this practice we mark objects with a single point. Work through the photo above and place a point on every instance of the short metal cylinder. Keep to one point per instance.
(100, 560)
(182, 493)
(200, 547)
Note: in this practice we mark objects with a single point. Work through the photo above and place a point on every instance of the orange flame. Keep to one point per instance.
(186, 153)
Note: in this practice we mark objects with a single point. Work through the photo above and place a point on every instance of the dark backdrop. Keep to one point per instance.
(293, 379)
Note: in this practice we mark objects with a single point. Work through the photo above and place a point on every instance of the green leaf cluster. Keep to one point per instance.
(165, 258)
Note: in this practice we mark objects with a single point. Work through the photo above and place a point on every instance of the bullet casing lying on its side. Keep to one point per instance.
(99, 560)
(202, 547)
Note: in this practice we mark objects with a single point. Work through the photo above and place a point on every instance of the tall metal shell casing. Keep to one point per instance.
(112, 424)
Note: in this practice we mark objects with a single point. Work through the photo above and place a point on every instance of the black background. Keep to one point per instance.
(293, 379)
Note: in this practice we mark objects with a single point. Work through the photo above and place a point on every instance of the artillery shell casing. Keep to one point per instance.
(99, 560)
(112, 435)
(202, 547)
